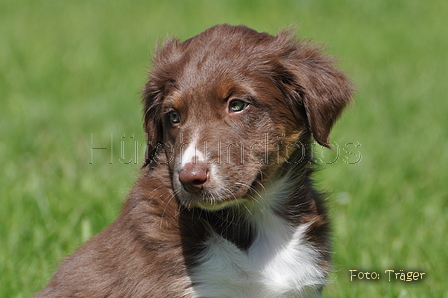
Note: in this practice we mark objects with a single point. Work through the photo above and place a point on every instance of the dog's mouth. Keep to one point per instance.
(217, 205)
(206, 200)
(212, 199)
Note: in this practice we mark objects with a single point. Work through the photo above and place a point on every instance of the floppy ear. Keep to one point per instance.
(313, 86)
(160, 82)
(152, 109)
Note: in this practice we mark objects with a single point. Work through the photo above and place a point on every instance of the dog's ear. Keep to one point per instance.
(161, 80)
(152, 117)
(312, 85)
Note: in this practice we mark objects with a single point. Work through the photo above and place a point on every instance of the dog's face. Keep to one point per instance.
(221, 132)
(229, 106)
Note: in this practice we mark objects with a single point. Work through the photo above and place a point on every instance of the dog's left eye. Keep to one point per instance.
(237, 105)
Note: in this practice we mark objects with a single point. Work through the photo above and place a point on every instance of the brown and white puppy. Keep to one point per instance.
(225, 205)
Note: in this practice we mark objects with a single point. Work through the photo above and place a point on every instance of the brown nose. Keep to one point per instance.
(193, 176)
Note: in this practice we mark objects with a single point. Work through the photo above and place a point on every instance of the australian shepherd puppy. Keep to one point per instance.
(225, 204)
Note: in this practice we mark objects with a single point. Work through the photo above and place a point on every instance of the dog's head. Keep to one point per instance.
(229, 106)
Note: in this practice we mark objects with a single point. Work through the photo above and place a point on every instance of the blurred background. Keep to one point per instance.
(71, 139)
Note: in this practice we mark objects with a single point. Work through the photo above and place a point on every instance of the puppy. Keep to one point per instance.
(224, 205)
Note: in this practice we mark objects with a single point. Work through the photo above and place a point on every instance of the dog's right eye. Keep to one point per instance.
(174, 117)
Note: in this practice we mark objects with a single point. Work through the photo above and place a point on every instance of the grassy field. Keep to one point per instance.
(70, 76)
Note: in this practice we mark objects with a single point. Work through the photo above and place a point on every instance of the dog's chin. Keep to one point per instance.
(208, 202)
(211, 198)
(215, 206)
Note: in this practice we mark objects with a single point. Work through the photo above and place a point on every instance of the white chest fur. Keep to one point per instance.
(280, 263)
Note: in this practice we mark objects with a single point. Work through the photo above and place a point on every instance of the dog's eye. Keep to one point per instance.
(174, 117)
(237, 105)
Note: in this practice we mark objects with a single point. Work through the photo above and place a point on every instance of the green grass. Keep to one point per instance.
(72, 69)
